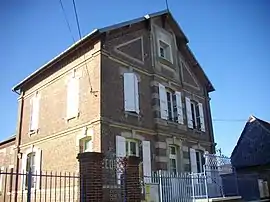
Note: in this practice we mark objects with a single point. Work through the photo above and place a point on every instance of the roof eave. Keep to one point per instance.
(43, 67)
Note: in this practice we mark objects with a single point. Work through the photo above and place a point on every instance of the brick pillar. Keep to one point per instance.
(91, 186)
(133, 188)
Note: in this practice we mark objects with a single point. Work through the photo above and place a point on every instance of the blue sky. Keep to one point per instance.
(230, 39)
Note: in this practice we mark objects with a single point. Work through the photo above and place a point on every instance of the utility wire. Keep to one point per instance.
(77, 19)
(80, 35)
(167, 5)
(230, 120)
(66, 19)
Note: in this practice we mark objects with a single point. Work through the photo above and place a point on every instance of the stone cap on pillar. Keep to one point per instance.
(133, 160)
(90, 155)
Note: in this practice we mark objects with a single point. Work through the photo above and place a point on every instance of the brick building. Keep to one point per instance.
(133, 88)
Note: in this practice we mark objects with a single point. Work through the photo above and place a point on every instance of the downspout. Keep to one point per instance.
(210, 124)
(18, 140)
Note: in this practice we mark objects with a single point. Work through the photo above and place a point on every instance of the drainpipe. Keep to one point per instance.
(18, 139)
(210, 124)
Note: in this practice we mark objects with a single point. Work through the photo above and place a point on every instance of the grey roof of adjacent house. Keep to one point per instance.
(97, 32)
(253, 146)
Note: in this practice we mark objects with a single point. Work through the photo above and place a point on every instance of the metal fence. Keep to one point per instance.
(39, 187)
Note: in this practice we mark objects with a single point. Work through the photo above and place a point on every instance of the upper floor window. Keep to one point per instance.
(195, 115)
(173, 158)
(131, 93)
(165, 51)
(164, 45)
(170, 104)
(72, 97)
(34, 112)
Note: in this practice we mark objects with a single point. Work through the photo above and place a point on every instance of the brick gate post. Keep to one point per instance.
(133, 187)
(90, 168)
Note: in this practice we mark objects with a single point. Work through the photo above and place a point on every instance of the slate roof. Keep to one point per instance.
(97, 32)
(253, 146)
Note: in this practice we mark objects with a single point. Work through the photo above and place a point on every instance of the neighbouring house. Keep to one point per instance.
(251, 156)
(7, 158)
(133, 88)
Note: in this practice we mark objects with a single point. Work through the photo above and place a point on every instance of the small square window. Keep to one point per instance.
(165, 51)
(132, 147)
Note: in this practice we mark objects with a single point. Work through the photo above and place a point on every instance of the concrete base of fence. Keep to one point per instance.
(227, 199)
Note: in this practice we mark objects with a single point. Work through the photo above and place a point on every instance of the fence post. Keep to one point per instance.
(193, 187)
(160, 185)
(29, 185)
(133, 188)
(205, 181)
(91, 184)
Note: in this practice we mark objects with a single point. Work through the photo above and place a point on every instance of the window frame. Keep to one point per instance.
(195, 114)
(128, 151)
(167, 50)
(200, 160)
(173, 157)
(34, 178)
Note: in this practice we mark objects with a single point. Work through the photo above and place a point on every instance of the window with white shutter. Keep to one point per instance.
(179, 108)
(34, 112)
(163, 102)
(72, 98)
(147, 170)
(189, 113)
(193, 161)
(131, 92)
(201, 114)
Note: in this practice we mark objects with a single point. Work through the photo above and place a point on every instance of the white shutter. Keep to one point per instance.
(201, 117)
(38, 168)
(136, 91)
(189, 113)
(179, 107)
(193, 161)
(120, 146)
(120, 152)
(72, 98)
(163, 102)
(129, 92)
(34, 112)
(147, 160)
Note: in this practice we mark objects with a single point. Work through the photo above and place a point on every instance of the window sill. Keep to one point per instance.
(134, 114)
(72, 117)
(33, 132)
(165, 62)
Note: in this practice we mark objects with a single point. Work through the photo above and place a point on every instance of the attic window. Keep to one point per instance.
(165, 51)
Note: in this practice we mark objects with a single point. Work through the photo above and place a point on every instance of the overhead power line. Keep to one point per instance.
(66, 19)
(230, 120)
(77, 19)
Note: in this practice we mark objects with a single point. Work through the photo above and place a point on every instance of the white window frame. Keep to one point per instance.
(83, 144)
(37, 152)
(173, 157)
(167, 49)
(200, 160)
(171, 104)
(128, 151)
